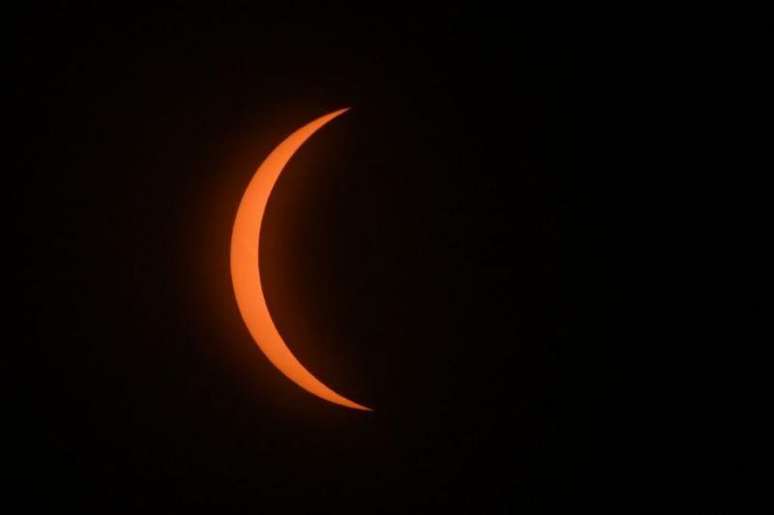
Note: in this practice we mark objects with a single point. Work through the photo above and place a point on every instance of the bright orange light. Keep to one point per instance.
(245, 274)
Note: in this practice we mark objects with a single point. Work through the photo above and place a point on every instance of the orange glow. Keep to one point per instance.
(245, 241)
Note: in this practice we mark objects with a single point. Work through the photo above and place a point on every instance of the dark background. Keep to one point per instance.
(425, 254)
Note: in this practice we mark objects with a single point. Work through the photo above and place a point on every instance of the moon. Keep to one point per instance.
(245, 265)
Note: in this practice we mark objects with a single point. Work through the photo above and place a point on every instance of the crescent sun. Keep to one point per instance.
(245, 269)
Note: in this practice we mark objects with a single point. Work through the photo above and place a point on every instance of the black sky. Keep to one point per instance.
(425, 254)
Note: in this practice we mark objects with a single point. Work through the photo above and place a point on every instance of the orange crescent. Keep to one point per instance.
(245, 274)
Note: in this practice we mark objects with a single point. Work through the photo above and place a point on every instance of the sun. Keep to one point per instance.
(245, 265)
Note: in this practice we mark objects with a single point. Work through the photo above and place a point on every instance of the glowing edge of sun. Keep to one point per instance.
(245, 271)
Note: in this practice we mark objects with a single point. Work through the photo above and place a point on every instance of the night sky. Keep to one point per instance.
(425, 254)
